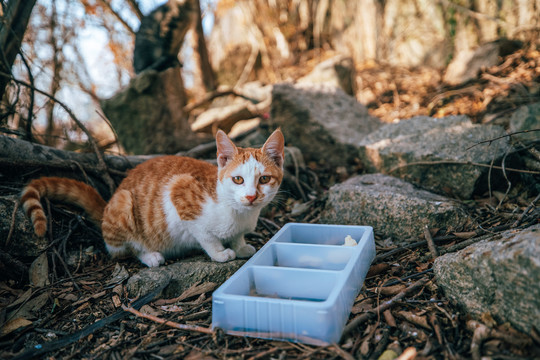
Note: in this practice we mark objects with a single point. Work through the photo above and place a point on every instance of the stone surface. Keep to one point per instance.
(392, 207)
(181, 275)
(322, 121)
(444, 140)
(337, 71)
(148, 114)
(498, 277)
(526, 118)
(467, 64)
(21, 242)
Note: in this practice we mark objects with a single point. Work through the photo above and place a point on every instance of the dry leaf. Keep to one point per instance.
(13, 325)
(193, 290)
(21, 299)
(119, 274)
(391, 290)
(389, 318)
(388, 355)
(39, 271)
(116, 301)
(414, 319)
(171, 308)
(377, 269)
(364, 348)
(147, 309)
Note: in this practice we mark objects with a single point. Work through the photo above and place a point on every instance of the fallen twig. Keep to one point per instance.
(501, 137)
(172, 324)
(524, 213)
(345, 355)
(431, 244)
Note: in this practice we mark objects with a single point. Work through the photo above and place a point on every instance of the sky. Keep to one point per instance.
(92, 43)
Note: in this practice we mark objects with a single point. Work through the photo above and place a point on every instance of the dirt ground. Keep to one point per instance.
(78, 313)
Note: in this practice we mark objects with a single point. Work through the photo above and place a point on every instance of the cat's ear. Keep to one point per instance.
(274, 147)
(225, 148)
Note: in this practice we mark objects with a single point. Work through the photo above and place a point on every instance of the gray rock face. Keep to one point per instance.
(181, 275)
(22, 241)
(468, 63)
(392, 206)
(426, 139)
(498, 277)
(526, 118)
(338, 71)
(322, 121)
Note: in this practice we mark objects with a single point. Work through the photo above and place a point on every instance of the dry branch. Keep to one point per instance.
(172, 324)
(102, 166)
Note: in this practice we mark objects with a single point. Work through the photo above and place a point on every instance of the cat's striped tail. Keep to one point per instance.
(60, 189)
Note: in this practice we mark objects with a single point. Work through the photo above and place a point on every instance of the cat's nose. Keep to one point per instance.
(251, 198)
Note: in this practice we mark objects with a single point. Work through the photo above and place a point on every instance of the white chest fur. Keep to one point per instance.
(217, 220)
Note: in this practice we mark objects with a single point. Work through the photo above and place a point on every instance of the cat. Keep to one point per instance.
(161, 34)
(170, 205)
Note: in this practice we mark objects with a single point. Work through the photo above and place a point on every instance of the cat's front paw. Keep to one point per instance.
(152, 259)
(245, 251)
(224, 256)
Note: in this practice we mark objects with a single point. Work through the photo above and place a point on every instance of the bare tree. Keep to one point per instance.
(207, 74)
(14, 20)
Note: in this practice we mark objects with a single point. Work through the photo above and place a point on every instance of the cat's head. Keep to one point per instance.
(250, 177)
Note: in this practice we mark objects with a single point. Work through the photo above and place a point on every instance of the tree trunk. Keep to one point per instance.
(51, 138)
(15, 20)
(207, 74)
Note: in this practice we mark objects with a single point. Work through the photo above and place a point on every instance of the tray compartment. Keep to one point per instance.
(305, 256)
(283, 283)
(320, 234)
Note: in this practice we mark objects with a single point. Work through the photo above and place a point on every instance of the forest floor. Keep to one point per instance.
(79, 313)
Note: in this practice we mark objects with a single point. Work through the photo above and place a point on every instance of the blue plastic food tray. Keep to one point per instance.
(300, 286)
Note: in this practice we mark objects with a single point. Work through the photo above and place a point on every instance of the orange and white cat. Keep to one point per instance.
(169, 205)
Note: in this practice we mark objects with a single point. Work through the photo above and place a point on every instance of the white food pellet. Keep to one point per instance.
(349, 241)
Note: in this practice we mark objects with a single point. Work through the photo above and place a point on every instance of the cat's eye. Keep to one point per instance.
(265, 179)
(238, 180)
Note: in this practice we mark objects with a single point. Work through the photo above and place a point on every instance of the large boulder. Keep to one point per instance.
(468, 63)
(322, 121)
(392, 207)
(447, 148)
(498, 277)
(338, 71)
(526, 118)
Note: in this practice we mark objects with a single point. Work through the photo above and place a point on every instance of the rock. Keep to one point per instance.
(222, 118)
(181, 275)
(338, 71)
(392, 207)
(526, 118)
(425, 139)
(148, 114)
(468, 63)
(322, 121)
(22, 241)
(498, 277)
